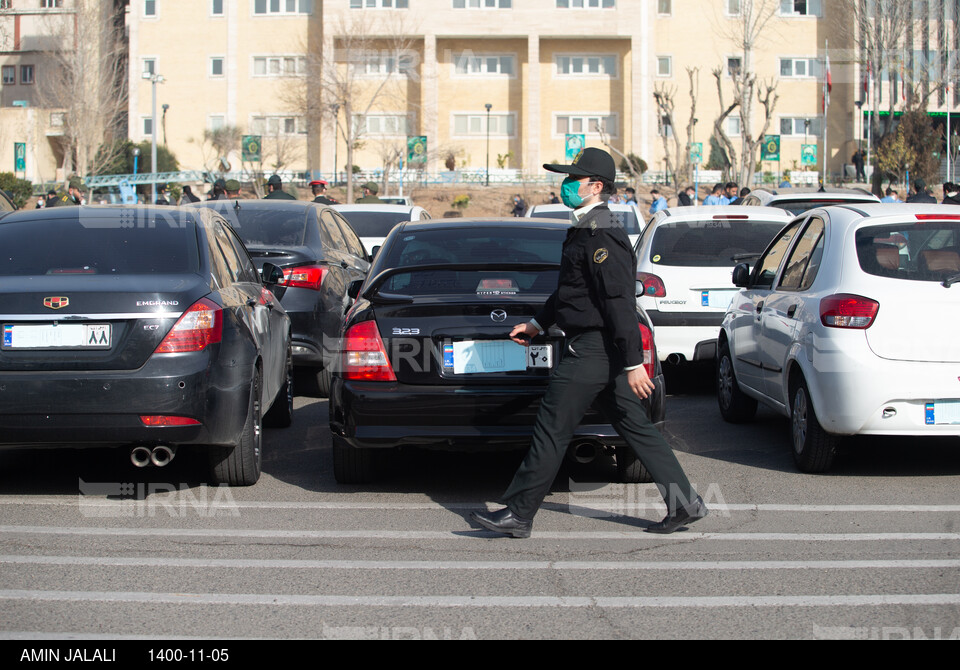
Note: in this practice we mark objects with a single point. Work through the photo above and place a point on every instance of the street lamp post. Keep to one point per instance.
(488, 106)
(154, 80)
(336, 142)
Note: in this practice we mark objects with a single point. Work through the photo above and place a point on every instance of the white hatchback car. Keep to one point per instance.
(630, 216)
(847, 324)
(684, 259)
(372, 222)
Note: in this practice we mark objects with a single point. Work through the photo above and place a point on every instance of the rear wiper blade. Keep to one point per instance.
(952, 279)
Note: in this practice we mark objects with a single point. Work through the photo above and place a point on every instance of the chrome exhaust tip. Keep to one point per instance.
(140, 457)
(162, 455)
(585, 452)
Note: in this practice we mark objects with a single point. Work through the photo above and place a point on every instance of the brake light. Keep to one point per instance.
(652, 285)
(308, 276)
(848, 311)
(364, 356)
(163, 420)
(200, 325)
(739, 217)
(938, 217)
(649, 351)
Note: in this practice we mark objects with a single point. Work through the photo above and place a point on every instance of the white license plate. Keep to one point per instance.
(718, 299)
(477, 357)
(57, 336)
(942, 413)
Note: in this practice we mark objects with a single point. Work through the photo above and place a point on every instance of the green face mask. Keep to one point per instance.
(570, 192)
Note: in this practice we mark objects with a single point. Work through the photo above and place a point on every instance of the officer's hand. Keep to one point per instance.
(522, 333)
(640, 382)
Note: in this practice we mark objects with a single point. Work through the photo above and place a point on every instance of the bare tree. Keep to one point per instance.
(86, 78)
(217, 146)
(718, 124)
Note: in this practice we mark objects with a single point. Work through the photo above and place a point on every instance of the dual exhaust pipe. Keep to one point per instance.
(158, 456)
(585, 451)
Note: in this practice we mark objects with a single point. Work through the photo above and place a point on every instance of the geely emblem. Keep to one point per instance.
(56, 302)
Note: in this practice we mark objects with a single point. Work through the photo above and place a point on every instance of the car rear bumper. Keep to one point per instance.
(693, 336)
(95, 409)
(376, 415)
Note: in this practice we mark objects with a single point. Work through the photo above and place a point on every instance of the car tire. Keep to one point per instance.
(324, 380)
(280, 414)
(630, 469)
(240, 465)
(813, 448)
(735, 405)
(352, 465)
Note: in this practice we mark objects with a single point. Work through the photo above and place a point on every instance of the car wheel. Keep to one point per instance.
(630, 469)
(352, 465)
(240, 465)
(324, 379)
(280, 414)
(813, 448)
(735, 405)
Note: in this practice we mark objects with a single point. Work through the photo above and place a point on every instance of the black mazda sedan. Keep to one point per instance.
(145, 328)
(320, 256)
(426, 358)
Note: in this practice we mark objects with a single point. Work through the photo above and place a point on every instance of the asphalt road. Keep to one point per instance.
(92, 548)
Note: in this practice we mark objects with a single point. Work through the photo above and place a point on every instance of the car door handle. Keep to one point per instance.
(759, 306)
(252, 302)
(791, 311)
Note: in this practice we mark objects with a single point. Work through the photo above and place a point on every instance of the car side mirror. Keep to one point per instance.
(373, 254)
(271, 275)
(353, 290)
(741, 275)
(638, 288)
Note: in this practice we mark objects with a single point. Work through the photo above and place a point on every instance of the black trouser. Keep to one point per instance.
(592, 370)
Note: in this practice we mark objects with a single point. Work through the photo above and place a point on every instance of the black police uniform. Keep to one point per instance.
(594, 304)
(278, 195)
(324, 200)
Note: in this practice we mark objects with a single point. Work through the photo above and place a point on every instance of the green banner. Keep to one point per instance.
(808, 154)
(19, 156)
(416, 150)
(696, 153)
(770, 149)
(251, 148)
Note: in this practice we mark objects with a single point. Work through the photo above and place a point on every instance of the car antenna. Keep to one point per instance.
(236, 205)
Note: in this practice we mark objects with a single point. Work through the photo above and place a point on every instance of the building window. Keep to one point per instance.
(26, 74)
(277, 125)
(475, 125)
(586, 4)
(216, 66)
(383, 125)
(57, 119)
(5, 4)
(800, 126)
(384, 63)
(482, 4)
(734, 64)
(44, 4)
(148, 125)
(379, 4)
(280, 7)
(149, 7)
(800, 7)
(664, 127)
(733, 126)
(216, 121)
(587, 66)
(798, 67)
(279, 66)
(665, 7)
(664, 66)
(491, 65)
(216, 7)
(148, 66)
(733, 7)
(9, 75)
(586, 124)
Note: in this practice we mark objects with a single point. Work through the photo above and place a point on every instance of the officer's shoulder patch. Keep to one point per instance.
(600, 255)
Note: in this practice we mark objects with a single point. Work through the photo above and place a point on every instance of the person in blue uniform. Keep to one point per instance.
(594, 304)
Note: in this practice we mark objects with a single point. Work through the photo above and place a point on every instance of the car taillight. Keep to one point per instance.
(164, 420)
(309, 276)
(649, 351)
(364, 356)
(848, 311)
(938, 217)
(199, 326)
(652, 285)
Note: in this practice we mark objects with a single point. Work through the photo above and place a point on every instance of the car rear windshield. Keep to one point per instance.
(265, 228)
(711, 243)
(374, 224)
(627, 217)
(918, 250)
(472, 246)
(88, 245)
(801, 206)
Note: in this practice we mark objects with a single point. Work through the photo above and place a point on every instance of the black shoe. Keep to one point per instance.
(504, 522)
(683, 516)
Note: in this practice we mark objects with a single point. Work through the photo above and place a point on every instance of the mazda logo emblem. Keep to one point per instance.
(498, 315)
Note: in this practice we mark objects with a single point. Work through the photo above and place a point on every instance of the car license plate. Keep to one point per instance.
(942, 413)
(57, 336)
(718, 299)
(475, 357)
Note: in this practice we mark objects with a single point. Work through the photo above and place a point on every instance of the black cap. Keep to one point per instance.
(274, 180)
(590, 162)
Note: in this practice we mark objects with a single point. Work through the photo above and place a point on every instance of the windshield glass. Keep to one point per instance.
(470, 246)
(919, 251)
(801, 206)
(374, 224)
(627, 217)
(711, 243)
(266, 228)
(161, 245)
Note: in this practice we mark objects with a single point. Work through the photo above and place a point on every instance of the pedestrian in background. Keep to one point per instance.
(370, 197)
(891, 196)
(595, 305)
(715, 197)
(275, 189)
(920, 194)
(519, 206)
(951, 194)
(232, 188)
(657, 202)
(319, 189)
(187, 196)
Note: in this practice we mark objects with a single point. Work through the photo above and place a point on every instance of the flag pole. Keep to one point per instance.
(946, 32)
(826, 104)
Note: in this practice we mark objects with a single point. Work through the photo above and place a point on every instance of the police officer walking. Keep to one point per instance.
(275, 188)
(73, 196)
(595, 306)
(319, 188)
